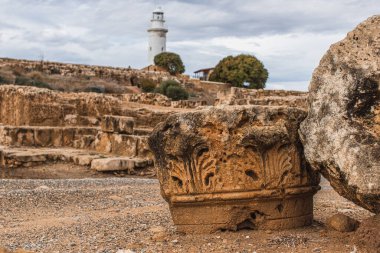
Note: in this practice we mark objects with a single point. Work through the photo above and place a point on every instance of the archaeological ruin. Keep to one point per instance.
(226, 159)
(235, 167)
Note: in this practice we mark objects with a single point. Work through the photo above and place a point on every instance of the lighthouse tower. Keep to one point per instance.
(157, 35)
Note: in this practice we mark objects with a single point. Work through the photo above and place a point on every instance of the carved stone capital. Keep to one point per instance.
(231, 159)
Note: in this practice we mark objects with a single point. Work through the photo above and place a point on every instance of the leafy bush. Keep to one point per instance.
(4, 80)
(164, 86)
(26, 81)
(22, 80)
(177, 93)
(241, 71)
(96, 89)
(147, 85)
(6, 76)
(171, 62)
(173, 90)
(39, 84)
(36, 76)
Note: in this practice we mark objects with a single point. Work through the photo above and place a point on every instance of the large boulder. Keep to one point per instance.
(341, 134)
(234, 167)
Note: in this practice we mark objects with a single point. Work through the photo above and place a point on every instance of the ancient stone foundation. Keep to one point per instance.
(235, 167)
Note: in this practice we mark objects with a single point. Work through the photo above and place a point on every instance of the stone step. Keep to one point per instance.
(44, 136)
(123, 145)
(78, 138)
(78, 120)
(128, 164)
(142, 131)
(28, 157)
(117, 124)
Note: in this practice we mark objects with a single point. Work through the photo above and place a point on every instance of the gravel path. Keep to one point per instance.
(107, 215)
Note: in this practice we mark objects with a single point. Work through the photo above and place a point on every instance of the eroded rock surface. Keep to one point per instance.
(234, 167)
(341, 134)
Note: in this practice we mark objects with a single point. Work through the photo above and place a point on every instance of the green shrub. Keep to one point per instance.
(147, 85)
(22, 80)
(96, 89)
(164, 86)
(173, 90)
(36, 76)
(26, 81)
(177, 93)
(4, 80)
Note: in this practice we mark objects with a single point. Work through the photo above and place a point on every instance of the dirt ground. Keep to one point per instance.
(62, 170)
(109, 214)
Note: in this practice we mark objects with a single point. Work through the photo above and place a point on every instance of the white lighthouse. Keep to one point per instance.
(157, 35)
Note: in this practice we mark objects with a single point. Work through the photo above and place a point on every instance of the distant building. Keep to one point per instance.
(157, 35)
(203, 74)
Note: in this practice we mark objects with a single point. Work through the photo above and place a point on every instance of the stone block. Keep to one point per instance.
(234, 167)
(47, 137)
(341, 134)
(113, 164)
(118, 144)
(117, 124)
(143, 149)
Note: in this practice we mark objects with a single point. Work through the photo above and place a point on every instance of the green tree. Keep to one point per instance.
(171, 62)
(241, 71)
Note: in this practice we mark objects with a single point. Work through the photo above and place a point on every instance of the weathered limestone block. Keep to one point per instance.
(45, 114)
(234, 167)
(77, 120)
(113, 164)
(40, 136)
(148, 98)
(341, 133)
(79, 137)
(143, 149)
(117, 124)
(12, 136)
(118, 144)
(119, 164)
(32, 106)
(47, 137)
(85, 142)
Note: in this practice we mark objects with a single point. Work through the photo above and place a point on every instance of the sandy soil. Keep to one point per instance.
(112, 214)
(63, 170)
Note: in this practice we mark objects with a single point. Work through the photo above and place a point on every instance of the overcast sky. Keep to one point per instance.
(288, 36)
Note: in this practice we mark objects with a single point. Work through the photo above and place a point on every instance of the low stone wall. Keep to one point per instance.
(149, 99)
(122, 144)
(161, 100)
(41, 107)
(75, 137)
(188, 104)
(241, 96)
(122, 75)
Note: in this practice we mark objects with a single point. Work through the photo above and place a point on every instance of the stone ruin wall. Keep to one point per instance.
(122, 75)
(48, 123)
(30, 106)
(241, 96)
(41, 107)
(161, 100)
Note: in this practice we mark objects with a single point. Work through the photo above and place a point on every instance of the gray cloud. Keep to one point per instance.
(289, 36)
